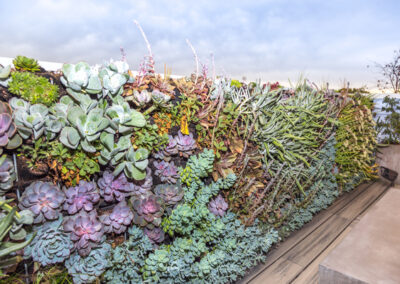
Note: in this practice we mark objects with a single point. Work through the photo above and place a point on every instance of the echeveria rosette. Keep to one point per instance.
(168, 151)
(218, 206)
(51, 244)
(7, 174)
(171, 194)
(86, 269)
(118, 220)
(147, 210)
(82, 196)
(142, 98)
(166, 171)
(155, 235)
(185, 144)
(44, 199)
(115, 187)
(86, 231)
(143, 187)
(8, 136)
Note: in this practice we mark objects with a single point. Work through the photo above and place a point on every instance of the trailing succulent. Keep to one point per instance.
(44, 199)
(51, 244)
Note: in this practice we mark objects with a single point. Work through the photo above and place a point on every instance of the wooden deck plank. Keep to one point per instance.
(280, 271)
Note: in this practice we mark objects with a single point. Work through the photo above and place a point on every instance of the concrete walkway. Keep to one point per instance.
(296, 260)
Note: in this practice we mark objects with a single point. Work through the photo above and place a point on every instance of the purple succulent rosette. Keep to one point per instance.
(147, 211)
(7, 128)
(218, 206)
(44, 199)
(171, 194)
(168, 151)
(185, 144)
(166, 171)
(81, 196)
(155, 235)
(86, 231)
(143, 187)
(115, 188)
(119, 219)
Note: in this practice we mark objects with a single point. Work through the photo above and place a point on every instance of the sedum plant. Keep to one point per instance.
(166, 171)
(51, 244)
(86, 231)
(85, 269)
(147, 210)
(8, 130)
(44, 199)
(82, 196)
(24, 63)
(118, 220)
(33, 88)
(7, 174)
(85, 128)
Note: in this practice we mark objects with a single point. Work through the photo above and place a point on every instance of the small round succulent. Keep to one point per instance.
(185, 144)
(115, 188)
(87, 269)
(147, 210)
(8, 136)
(155, 235)
(7, 174)
(171, 194)
(218, 206)
(86, 231)
(51, 244)
(143, 187)
(119, 219)
(81, 196)
(166, 171)
(44, 199)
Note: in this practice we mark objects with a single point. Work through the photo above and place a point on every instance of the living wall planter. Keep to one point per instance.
(136, 177)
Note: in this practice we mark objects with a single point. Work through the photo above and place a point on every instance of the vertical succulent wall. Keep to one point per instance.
(149, 179)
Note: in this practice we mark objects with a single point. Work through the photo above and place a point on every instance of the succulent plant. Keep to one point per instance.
(86, 269)
(60, 110)
(123, 118)
(159, 98)
(114, 75)
(7, 174)
(147, 210)
(86, 231)
(114, 187)
(8, 130)
(142, 98)
(166, 171)
(51, 244)
(5, 75)
(168, 151)
(143, 187)
(112, 152)
(155, 235)
(218, 206)
(134, 165)
(185, 144)
(171, 194)
(80, 78)
(86, 127)
(82, 196)
(24, 63)
(33, 88)
(118, 220)
(44, 199)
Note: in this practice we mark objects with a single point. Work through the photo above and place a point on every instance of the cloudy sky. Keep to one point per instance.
(326, 41)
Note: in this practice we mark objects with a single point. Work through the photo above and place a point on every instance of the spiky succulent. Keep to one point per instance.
(86, 269)
(118, 220)
(7, 174)
(86, 231)
(24, 63)
(82, 196)
(44, 199)
(85, 128)
(51, 244)
(8, 130)
(171, 194)
(155, 235)
(185, 144)
(166, 171)
(135, 164)
(123, 118)
(147, 210)
(218, 206)
(114, 187)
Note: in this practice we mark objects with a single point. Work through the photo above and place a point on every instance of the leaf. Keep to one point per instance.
(184, 125)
